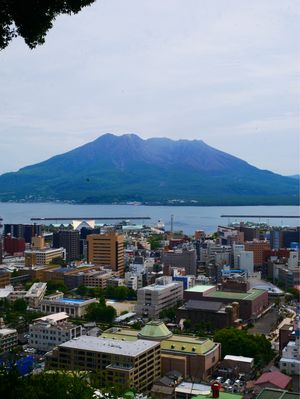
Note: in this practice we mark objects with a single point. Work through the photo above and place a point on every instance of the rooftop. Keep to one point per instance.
(54, 317)
(250, 295)
(155, 330)
(276, 378)
(239, 358)
(269, 393)
(200, 288)
(105, 345)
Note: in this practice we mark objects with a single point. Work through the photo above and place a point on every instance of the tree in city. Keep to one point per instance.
(240, 343)
(32, 19)
(100, 313)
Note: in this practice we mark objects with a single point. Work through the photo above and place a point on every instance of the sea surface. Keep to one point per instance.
(186, 218)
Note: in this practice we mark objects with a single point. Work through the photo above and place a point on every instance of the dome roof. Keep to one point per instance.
(155, 330)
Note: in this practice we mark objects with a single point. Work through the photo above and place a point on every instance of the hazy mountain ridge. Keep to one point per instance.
(157, 170)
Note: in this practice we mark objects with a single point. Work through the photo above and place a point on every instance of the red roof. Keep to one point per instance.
(276, 378)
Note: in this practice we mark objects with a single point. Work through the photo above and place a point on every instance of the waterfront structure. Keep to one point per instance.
(107, 250)
(8, 339)
(73, 307)
(47, 332)
(43, 256)
(35, 294)
(70, 240)
(154, 298)
(128, 364)
(192, 357)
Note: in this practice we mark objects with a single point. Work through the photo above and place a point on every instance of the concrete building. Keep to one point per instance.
(245, 261)
(4, 279)
(192, 357)
(151, 300)
(73, 307)
(35, 294)
(252, 303)
(237, 249)
(70, 240)
(8, 339)
(258, 247)
(185, 258)
(25, 231)
(14, 245)
(216, 314)
(96, 278)
(123, 363)
(43, 256)
(38, 242)
(107, 250)
(290, 360)
(50, 331)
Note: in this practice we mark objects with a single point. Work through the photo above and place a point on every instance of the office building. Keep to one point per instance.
(39, 257)
(133, 364)
(107, 250)
(25, 231)
(258, 247)
(246, 261)
(152, 299)
(4, 279)
(185, 258)
(290, 359)
(70, 240)
(14, 246)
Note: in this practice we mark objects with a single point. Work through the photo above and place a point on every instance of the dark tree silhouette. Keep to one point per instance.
(32, 19)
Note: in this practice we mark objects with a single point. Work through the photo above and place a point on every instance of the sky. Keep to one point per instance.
(222, 71)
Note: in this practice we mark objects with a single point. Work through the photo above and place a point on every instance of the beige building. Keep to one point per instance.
(107, 250)
(154, 298)
(38, 242)
(193, 357)
(35, 294)
(127, 364)
(44, 256)
(8, 339)
(95, 278)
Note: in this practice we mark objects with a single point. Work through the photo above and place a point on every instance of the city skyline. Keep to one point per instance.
(223, 73)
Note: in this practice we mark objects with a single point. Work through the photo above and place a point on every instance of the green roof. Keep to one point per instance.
(181, 343)
(269, 393)
(156, 330)
(223, 395)
(249, 295)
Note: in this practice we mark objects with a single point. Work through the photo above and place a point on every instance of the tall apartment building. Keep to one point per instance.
(70, 240)
(151, 300)
(131, 364)
(107, 250)
(35, 294)
(43, 256)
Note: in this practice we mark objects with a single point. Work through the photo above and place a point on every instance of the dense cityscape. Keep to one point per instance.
(136, 311)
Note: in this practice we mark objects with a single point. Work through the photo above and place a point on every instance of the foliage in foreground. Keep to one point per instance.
(49, 385)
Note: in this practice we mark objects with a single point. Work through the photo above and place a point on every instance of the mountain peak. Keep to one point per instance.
(116, 168)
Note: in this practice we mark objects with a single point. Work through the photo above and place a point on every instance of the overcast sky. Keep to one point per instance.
(224, 71)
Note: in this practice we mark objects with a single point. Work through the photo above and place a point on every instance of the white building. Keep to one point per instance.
(246, 261)
(237, 249)
(50, 331)
(154, 298)
(73, 307)
(290, 360)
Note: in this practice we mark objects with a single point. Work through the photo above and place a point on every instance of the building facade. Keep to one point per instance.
(107, 250)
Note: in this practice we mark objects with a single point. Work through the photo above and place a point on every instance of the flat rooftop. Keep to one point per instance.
(200, 288)
(54, 317)
(250, 295)
(112, 346)
(156, 287)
